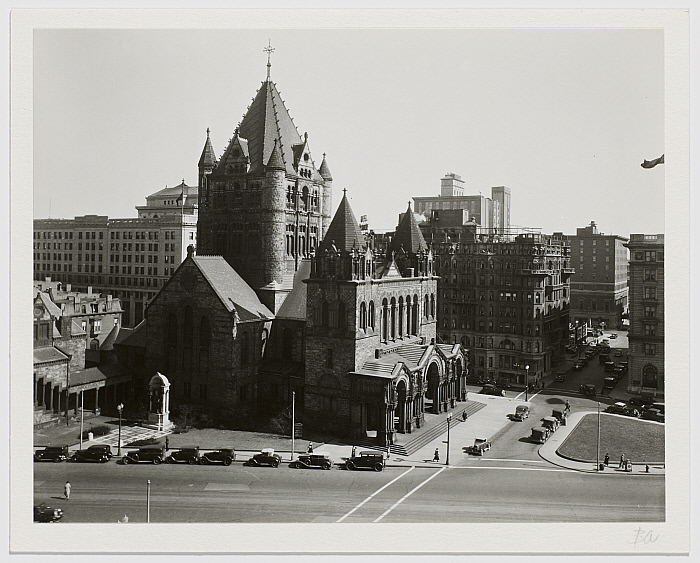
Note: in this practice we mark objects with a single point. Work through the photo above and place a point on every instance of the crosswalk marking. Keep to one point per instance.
(408, 494)
(376, 493)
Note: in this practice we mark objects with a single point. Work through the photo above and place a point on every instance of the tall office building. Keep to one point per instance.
(646, 314)
(130, 259)
(599, 286)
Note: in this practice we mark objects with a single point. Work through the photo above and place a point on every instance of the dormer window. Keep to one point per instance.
(306, 157)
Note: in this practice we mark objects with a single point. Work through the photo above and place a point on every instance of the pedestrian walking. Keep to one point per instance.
(167, 443)
(568, 407)
(354, 449)
(66, 490)
(310, 448)
(436, 455)
(606, 461)
(622, 461)
(464, 415)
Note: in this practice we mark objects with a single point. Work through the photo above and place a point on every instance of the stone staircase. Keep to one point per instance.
(426, 435)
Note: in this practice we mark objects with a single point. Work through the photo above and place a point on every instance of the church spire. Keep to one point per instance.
(269, 50)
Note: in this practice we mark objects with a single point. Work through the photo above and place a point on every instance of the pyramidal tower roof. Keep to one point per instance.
(208, 157)
(266, 121)
(344, 231)
(408, 234)
(324, 171)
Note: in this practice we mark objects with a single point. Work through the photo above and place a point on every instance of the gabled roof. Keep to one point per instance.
(267, 120)
(53, 309)
(47, 354)
(132, 336)
(233, 291)
(294, 306)
(208, 157)
(408, 235)
(76, 329)
(344, 230)
(110, 339)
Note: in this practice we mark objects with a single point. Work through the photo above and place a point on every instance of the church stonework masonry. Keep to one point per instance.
(278, 299)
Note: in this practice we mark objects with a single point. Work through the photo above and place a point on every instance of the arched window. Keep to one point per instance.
(342, 321)
(385, 320)
(401, 323)
(392, 316)
(263, 342)
(426, 307)
(244, 349)
(171, 343)
(409, 317)
(414, 322)
(650, 376)
(204, 345)
(371, 315)
(324, 314)
(363, 316)
(187, 340)
(432, 305)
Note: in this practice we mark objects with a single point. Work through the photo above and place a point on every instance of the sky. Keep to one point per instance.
(563, 117)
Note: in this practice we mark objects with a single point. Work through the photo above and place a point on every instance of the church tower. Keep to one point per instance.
(265, 205)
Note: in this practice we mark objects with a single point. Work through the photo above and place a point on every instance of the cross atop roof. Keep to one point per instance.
(269, 50)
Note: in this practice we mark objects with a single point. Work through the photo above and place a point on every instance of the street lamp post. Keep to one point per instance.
(120, 408)
(527, 380)
(447, 457)
(148, 501)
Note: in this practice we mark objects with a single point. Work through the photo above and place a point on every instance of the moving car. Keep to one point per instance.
(561, 376)
(480, 446)
(578, 366)
(267, 456)
(187, 454)
(52, 453)
(521, 413)
(222, 455)
(613, 336)
(587, 389)
(312, 460)
(368, 460)
(539, 435)
(90, 455)
(492, 390)
(618, 353)
(44, 513)
(154, 454)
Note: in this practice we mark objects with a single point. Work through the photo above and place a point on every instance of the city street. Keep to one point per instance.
(478, 490)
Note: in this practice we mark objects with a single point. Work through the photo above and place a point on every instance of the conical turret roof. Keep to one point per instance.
(275, 162)
(344, 230)
(408, 235)
(266, 121)
(208, 157)
(324, 171)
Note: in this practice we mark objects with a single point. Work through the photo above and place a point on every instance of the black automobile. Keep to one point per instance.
(642, 401)
(492, 390)
(96, 455)
(153, 454)
(366, 460)
(267, 456)
(312, 460)
(587, 389)
(623, 409)
(52, 453)
(105, 448)
(654, 414)
(186, 454)
(222, 455)
(578, 366)
(44, 513)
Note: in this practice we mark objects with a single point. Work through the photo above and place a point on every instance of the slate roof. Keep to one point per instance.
(108, 343)
(175, 191)
(76, 329)
(233, 291)
(294, 306)
(275, 162)
(267, 120)
(94, 374)
(344, 230)
(408, 235)
(324, 171)
(410, 355)
(53, 309)
(208, 157)
(47, 354)
(132, 336)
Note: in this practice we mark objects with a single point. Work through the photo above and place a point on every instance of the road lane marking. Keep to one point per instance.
(518, 460)
(376, 493)
(408, 494)
(531, 396)
(478, 467)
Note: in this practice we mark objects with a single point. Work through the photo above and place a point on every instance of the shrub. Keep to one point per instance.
(145, 442)
(100, 430)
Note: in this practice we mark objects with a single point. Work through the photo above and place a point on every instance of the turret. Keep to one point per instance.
(326, 207)
(207, 163)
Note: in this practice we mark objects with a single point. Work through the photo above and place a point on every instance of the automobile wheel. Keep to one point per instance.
(157, 460)
(57, 460)
(105, 459)
(378, 466)
(205, 461)
(327, 466)
(125, 460)
(169, 459)
(275, 463)
(37, 458)
(293, 465)
(349, 465)
(192, 460)
(227, 461)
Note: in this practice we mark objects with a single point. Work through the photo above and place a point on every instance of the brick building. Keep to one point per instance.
(599, 286)
(506, 298)
(129, 259)
(74, 335)
(646, 315)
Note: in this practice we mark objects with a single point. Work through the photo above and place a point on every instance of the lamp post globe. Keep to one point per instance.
(527, 380)
(447, 457)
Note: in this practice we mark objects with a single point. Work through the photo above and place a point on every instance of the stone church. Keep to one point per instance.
(279, 298)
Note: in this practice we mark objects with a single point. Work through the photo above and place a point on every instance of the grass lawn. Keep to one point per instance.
(239, 440)
(640, 441)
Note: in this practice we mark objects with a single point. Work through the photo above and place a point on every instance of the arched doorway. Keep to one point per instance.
(433, 391)
(401, 406)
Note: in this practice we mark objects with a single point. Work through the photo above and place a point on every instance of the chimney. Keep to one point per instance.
(411, 272)
(48, 278)
(89, 289)
(68, 287)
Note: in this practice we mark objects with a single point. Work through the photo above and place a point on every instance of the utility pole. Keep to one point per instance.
(148, 501)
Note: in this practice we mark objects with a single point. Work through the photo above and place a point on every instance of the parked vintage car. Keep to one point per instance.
(45, 513)
(480, 446)
(642, 400)
(603, 358)
(654, 414)
(105, 448)
(561, 376)
(578, 366)
(52, 453)
(366, 460)
(492, 390)
(90, 455)
(186, 454)
(587, 389)
(153, 454)
(623, 409)
(540, 434)
(551, 423)
(521, 413)
(617, 353)
(312, 460)
(609, 382)
(222, 455)
(561, 415)
(267, 456)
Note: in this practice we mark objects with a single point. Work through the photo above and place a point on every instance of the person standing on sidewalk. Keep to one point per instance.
(622, 461)
(66, 490)
(607, 460)
(167, 443)
(436, 455)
